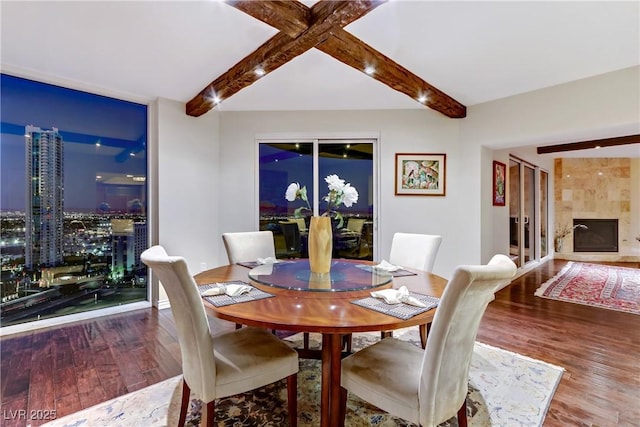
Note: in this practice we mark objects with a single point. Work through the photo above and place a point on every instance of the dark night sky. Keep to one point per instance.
(82, 119)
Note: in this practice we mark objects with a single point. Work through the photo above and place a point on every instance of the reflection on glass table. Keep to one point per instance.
(345, 275)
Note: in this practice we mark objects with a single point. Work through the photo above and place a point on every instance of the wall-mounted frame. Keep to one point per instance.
(419, 174)
(499, 183)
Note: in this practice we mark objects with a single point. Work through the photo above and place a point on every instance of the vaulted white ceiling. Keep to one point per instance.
(475, 51)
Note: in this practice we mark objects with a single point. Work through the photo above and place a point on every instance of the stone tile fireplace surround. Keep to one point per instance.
(599, 188)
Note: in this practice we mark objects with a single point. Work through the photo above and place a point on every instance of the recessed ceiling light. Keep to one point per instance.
(422, 99)
(260, 71)
(212, 97)
(369, 69)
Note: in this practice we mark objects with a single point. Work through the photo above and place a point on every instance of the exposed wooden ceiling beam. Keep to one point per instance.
(321, 26)
(290, 17)
(585, 145)
(352, 51)
(278, 50)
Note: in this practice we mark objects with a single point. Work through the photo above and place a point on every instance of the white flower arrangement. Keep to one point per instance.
(339, 193)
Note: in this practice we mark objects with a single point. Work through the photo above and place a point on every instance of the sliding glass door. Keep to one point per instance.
(308, 163)
(544, 213)
(528, 212)
(515, 248)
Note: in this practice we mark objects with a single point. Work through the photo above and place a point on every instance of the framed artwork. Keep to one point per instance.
(499, 183)
(420, 174)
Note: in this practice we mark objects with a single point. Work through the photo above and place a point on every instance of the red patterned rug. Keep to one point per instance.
(597, 285)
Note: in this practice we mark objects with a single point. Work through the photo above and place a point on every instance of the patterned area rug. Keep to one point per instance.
(505, 389)
(597, 285)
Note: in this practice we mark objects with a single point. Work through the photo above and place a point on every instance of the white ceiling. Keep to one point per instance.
(475, 51)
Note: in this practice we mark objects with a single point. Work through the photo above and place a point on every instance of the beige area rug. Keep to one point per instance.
(505, 390)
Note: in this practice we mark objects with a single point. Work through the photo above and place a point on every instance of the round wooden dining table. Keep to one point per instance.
(322, 304)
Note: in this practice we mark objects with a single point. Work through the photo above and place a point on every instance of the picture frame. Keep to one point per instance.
(499, 183)
(421, 174)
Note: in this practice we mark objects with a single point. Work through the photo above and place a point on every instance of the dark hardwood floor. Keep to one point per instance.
(68, 368)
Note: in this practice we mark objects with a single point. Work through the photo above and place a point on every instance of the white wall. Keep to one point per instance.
(473, 229)
(597, 107)
(188, 182)
(406, 131)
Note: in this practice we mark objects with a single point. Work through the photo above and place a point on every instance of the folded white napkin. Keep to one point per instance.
(232, 290)
(396, 296)
(267, 260)
(387, 266)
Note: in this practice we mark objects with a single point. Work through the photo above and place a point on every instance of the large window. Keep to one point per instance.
(308, 163)
(73, 201)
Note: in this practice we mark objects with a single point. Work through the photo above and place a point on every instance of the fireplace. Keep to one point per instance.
(601, 235)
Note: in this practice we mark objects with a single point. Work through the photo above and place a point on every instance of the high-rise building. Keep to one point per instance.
(129, 240)
(44, 197)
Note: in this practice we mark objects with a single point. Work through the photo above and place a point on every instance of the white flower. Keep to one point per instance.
(292, 191)
(339, 193)
(350, 195)
(335, 183)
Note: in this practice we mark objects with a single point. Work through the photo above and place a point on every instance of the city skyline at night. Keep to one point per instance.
(73, 201)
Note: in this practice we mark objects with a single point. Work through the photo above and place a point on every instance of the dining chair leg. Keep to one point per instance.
(424, 332)
(305, 340)
(346, 342)
(184, 404)
(208, 414)
(462, 415)
(292, 399)
(343, 406)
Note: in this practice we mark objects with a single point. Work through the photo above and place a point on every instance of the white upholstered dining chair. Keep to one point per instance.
(224, 365)
(248, 246)
(414, 250)
(429, 386)
(417, 251)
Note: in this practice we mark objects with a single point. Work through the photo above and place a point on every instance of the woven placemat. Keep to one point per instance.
(249, 264)
(401, 311)
(222, 300)
(254, 264)
(398, 273)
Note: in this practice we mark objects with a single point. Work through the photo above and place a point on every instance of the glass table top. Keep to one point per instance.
(296, 275)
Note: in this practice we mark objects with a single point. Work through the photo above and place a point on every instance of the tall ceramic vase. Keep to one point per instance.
(558, 244)
(320, 244)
